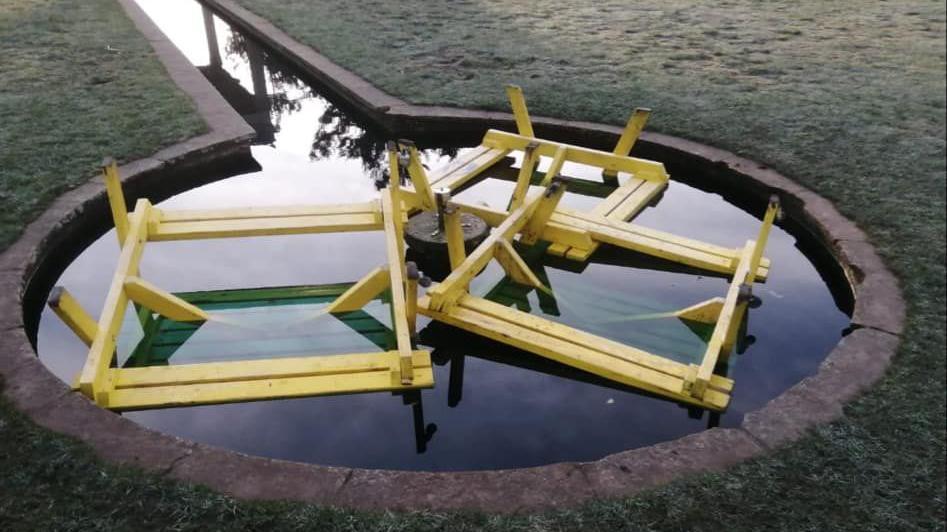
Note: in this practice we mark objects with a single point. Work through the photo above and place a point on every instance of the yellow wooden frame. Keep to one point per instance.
(154, 387)
(731, 311)
(694, 384)
(80, 322)
(530, 217)
(572, 234)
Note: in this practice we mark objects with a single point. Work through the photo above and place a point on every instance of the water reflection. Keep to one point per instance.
(493, 406)
(276, 93)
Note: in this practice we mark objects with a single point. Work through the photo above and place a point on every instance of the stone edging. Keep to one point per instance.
(857, 361)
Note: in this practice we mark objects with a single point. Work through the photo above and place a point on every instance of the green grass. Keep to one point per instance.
(77, 83)
(845, 97)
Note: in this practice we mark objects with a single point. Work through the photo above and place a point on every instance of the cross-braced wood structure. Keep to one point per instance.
(534, 216)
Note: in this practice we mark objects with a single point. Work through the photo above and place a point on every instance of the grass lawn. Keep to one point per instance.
(77, 82)
(846, 97)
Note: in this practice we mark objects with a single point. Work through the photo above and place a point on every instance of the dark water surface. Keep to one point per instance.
(492, 407)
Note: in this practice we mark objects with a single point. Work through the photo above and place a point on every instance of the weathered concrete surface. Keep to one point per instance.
(253, 477)
(878, 300)
(545, 487)
(112, 437)
(855, 364)
(630, 472)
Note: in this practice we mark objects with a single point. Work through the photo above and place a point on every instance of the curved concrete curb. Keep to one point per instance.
(857, 361)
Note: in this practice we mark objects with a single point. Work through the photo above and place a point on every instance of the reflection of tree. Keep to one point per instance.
(282, 80)
(338, 134)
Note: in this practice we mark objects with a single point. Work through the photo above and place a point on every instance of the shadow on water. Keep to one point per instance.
(494, 406)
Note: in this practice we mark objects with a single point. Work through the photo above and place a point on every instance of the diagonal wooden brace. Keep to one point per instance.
(558, 160)
(514, 265)
(704, 312)
(165, 303)
(456, 250)
(455, 285)
(520, 114)
(540, 217)
(358, 295)
(417, 174)
(525, 176)
(113, 188)
(629, 136)
(73, 315)
(397, 278)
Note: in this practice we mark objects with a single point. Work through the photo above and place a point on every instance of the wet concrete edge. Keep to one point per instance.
(857, 362)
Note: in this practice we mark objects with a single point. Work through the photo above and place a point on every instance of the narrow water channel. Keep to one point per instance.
(493, 406)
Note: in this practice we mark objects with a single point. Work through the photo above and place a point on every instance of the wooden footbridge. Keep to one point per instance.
(145, 379)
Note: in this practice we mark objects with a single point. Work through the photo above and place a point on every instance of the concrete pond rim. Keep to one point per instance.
(858, 361)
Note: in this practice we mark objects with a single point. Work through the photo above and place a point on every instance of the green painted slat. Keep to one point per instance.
(261, 349)
(164, 338)
(269, 293)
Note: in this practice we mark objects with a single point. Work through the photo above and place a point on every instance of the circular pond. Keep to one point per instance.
(493, 406)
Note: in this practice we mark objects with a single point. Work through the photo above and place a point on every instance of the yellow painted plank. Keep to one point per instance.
(569, 334)
(617, 196)
(636, 123)
(397, 216)
(464, 174)
(462, 160)
(772, 211)
(524, 177)
(673, 251)
(419, 178)
(573, 354)
(567, 236)
(493, 217)
(580, 254)
(396, 271)
(287, 211)
(273, 368)
(447, 291)
(572, 234)
(555, 167)
(641, 168)
(591, 341)
(565, 215)
(657, 243)
(263, 389)
(293, 225)
(560, 249)
(520, 113)
(540, 217)
(456, 250)
(704, 312)
(411, 304)
(475, 161)
(358, 295)
(514, 265)
(162, 302)
(113, 189)
(73, 315)
(724, 322)
(636, 201)
(94, 380)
